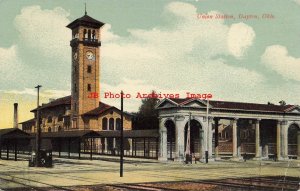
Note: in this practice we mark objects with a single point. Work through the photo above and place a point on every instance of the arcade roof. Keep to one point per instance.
(233, 105)
(12, 133)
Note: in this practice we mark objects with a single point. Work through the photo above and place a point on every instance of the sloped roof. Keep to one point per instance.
(102, 108)
(60, 101)
(249, 106)
(85, 21)
(68, 134)
(12, 133)
(153, 133)
(240, 105)
(28, 121)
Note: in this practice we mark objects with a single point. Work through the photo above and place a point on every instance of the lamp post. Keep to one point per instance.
(207, 133)
(122, 137)
(38, 129)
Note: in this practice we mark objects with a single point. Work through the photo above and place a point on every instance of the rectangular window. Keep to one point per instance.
(89, 87)
(75, 88)
(89, 69)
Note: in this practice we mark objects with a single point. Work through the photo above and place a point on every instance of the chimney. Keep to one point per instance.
(15, 115)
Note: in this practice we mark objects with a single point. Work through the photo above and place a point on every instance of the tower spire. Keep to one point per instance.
(85, 9)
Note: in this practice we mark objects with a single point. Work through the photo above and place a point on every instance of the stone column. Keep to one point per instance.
(266, 150)
(179, 138)
(284, 128)
(298, 144)
(238, 138)
(210, 136)
(278, 141)
(130, 145)
(216, 138)
(234, 139)
(201, 145)
(114, 143)
(163, 153)
(257, 140)
(105, 145)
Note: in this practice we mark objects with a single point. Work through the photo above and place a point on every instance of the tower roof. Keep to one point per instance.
(85, 21)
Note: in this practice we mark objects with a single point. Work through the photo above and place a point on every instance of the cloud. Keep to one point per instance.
(107, 35)
(297, 1)
(8, 57)
(278, 59)
(44, 31)
(10, 64)
(183, 56)
(240, 37)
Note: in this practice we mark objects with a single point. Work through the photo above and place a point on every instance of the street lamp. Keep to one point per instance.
(122, 137)
(207, 133)
(38, 129)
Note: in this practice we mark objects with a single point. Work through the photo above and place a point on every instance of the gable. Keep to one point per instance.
(295, 110)
(166, 103)
(196, 103)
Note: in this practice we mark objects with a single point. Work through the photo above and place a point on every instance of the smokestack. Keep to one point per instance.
(15, 115)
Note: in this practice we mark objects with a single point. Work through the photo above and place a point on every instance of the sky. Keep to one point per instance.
(172, 47)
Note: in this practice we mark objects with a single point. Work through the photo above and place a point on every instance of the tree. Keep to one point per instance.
(282, 102)
(147, 115)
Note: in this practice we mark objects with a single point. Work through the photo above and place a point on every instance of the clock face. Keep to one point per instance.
(89, 55)
(75, 55)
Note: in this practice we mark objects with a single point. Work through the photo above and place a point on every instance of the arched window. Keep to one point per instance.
(60, 117)
(49, 120)
(104, 123)
(118, 124)
(93, 35)
(49, 129)
(85, 34)
(59, 128)
(111, 124)
(89, 34)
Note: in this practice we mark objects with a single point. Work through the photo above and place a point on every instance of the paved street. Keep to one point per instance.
(105, 171)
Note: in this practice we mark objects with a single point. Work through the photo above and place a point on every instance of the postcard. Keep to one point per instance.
(150, 95)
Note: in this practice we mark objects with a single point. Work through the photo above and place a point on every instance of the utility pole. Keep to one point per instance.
(207, 133)
(122, 137)
(38, 129)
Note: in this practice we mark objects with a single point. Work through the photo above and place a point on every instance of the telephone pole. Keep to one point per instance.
(38, 129)
(122, 137)
(207, 133)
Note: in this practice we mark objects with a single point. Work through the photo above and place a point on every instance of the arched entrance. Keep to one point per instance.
(294, 140)
(170, 126)
(196, 138)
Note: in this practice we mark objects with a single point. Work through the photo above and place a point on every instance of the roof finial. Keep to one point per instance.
(85, 9)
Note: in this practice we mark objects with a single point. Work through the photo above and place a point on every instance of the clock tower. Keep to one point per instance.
(85, 79)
